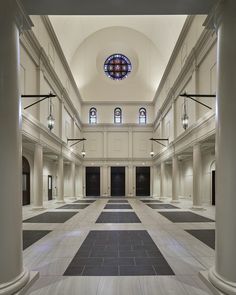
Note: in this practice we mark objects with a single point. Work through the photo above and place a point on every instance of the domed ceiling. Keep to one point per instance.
(147, 41)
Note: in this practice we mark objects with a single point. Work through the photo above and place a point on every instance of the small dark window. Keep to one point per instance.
(117, 116)
(93, 116)
(142, 116)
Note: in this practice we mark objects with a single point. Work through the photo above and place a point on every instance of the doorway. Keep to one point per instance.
(49, 187)
(92, 181)
(25, 182)
(143, 181)
(213, 187)
(117, 181)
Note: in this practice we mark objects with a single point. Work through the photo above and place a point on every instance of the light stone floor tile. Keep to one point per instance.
(52, 254)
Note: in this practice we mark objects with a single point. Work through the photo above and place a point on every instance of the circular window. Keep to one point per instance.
(117, 66)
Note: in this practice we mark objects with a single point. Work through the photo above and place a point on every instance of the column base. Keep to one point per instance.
(163, 198)
(217, 284)
(38, 208)
(20, 285)
(197, 208)
(73, 198)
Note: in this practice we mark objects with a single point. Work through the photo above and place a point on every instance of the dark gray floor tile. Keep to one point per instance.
(118, 217)
(118, 253)
(104, 253)
(162, 206)
(100, 271)
(74, 271)
(51, 217)
(163, 270)
(86, 261)
(118, 206)
(132, 254)
(137, 271)
(185, 216)
(118, 261)
(207, 236)
(32, 236)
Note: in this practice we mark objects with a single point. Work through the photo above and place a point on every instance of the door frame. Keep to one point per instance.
(50, 177)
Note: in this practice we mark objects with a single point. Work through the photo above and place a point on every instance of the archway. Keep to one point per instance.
(25, 182)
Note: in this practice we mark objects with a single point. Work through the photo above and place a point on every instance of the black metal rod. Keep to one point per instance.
(36, 102)
(157, 140)
(78, 140)
(191, 96)
(197, 95)
(37, 96)
(201, 103)
(160, 139)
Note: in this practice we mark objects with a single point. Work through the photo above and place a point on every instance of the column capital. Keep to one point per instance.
(23, 21)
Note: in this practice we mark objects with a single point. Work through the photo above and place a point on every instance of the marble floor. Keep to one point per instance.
(51, 255)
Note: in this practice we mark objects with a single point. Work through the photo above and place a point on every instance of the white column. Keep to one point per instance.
(197, 177)
(223, 275)
(60, 180)
(162, 181)
(73, 184)
(13, 276)
(38, 177)
(175, 179)
(154, 182)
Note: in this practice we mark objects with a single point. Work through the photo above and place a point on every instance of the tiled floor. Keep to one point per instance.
(114, 253)
(118, 217)
(207, 236)
(32, 236)
(162, 206)
(117, 206)
(185, 217)
(54, 253)
(51, 217)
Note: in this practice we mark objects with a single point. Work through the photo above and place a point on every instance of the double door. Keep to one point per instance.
(117, 181)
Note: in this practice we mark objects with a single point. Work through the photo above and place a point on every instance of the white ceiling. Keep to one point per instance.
(147, 40)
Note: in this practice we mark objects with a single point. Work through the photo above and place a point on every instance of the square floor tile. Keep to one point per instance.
(118, 217)
(118, 206)
(162, 206)
(207, 236)
(51, 217)
(96, 261)
(74, 206)
(118, 201)
(32, 236)
(185, 216)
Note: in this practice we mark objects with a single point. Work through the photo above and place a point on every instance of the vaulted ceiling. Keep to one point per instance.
(147, 41)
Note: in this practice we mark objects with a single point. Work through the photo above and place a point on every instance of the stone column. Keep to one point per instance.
(38, 177)
(197, 177)
(223, 274)
(73, 184)
(175, 179)
(162, 182)
(13, 277)
(60, 180)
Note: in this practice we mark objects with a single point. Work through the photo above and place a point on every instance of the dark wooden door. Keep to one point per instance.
(93, 181)
(143, 181)
(25, 182)
(117, 181)
(49, 187)
(213, 183)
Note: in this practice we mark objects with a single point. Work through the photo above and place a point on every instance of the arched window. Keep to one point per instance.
(142, 116)
(93, 116)
(117, 116)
